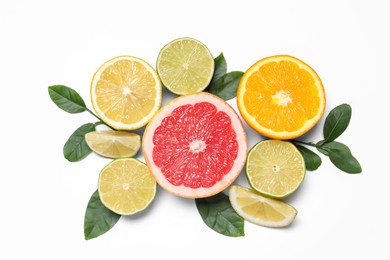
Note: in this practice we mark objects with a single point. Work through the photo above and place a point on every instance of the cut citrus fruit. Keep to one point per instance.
(126, 186)
(195, 145)
(126, 92)
(261, 210)
(275, 168)
(185, 66)
(281, 97)
(113, 144)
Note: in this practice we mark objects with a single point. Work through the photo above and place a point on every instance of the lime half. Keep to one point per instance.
(275, 168)
(126, 186)
(185, 66)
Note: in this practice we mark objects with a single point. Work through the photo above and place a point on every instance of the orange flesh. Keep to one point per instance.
(281, 96)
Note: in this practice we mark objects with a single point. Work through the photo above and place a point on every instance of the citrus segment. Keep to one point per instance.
(260, 210)
(113, 144)
(281, 97)
(126, 186)
(275, 168)
(126, 92)
(195, 146)
(185, 66)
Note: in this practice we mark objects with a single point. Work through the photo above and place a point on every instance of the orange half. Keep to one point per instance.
(281, 97)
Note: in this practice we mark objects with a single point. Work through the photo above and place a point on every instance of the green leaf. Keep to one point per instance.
(326, 147)
(220, 68)
(76, 148)
(337, 121)
(98, 219)
(312, 160)
(319, 148)
(340, 155)
(220, 216)
(345, 161)
(67, 99)
(226, 86)
(320, 143)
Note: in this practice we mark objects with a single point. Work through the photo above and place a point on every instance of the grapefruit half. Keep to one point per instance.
(195, 146)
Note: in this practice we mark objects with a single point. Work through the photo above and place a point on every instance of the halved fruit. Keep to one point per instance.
(281, 97)
(275, 168)
(126, 92)
(126, 186)
(113, 144)
(195, 146)
(260, 210)
(185, 66)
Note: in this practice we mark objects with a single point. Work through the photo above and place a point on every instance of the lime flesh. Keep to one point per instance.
(185, 66)
(275, 168)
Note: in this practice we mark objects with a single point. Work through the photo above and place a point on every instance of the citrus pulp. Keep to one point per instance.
(281, 97)
(195, 146)
(185, 66)
(126, 92)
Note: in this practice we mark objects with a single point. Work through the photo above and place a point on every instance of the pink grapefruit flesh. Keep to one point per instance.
(195, 146)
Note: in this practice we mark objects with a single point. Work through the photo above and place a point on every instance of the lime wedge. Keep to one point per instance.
(113, 144)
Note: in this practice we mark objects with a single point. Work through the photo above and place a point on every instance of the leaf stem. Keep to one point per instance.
(306, 143)
(100, 121)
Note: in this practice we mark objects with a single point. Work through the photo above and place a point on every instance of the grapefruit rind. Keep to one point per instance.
(239, 162)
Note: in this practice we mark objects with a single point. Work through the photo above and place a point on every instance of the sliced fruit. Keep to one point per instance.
(275, 168)
(195, 145)
(185, 66)
(126, 92)
(260, 210)
(281, 97)
(126, 186)
(113, 144)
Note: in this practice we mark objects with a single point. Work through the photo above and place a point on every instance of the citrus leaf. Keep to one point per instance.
(312, 160)
(340, 155)
(337, 121)
(67, 99)
(326, 147)
(226, 86)
(220, 68)
(76, 148)
(320, 143)
(218, 214)
(344, 160)
(98, 219)
(324, 151)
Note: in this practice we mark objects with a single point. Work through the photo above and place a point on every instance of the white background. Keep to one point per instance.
(43, 197)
